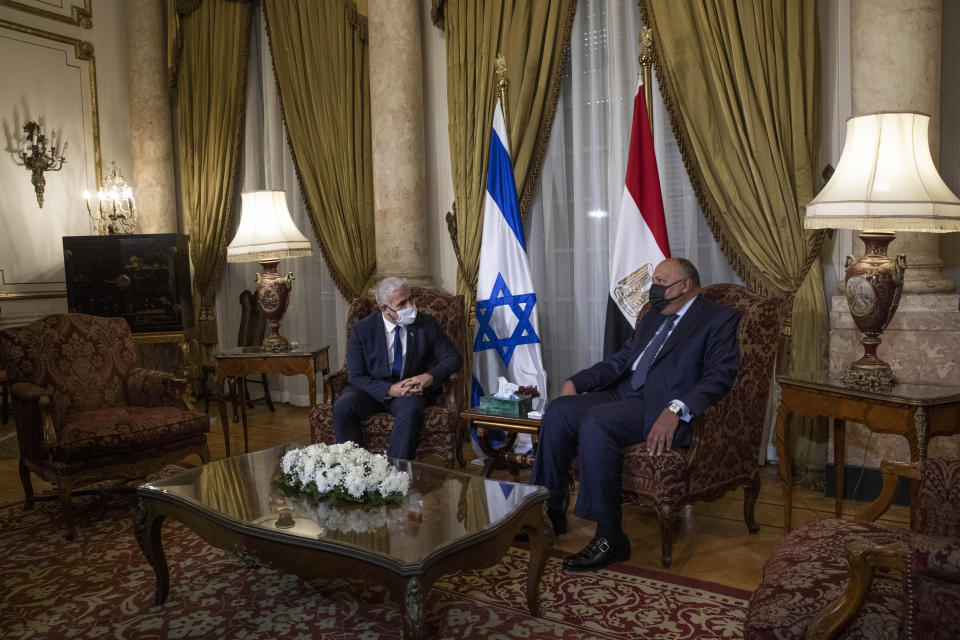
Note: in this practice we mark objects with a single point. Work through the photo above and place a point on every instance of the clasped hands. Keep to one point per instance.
(413, 386)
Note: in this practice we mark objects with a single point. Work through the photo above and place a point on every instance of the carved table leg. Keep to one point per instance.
(414, 620)
(786, 472)
(146, 527)
(221, 403)
(839, 460)
(541, 540)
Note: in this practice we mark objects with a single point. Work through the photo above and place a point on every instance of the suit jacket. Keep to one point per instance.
(696, 365)
(429, 350)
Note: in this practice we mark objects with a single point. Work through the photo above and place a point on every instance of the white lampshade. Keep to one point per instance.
(266, 230)
(886, 180)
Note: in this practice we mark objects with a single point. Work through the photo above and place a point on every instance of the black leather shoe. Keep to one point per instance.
(598, 553)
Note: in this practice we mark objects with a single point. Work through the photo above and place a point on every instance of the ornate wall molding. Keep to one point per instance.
(79, 16)
(84, 154)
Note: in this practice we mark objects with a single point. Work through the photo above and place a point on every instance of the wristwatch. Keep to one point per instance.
(675, 408)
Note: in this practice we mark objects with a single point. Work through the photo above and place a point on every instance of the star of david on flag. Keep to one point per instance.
(507, 340)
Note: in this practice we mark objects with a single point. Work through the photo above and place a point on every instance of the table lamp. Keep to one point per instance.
(266, 234)
(885, 182)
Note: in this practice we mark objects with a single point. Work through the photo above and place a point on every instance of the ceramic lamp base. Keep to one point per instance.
(873, 286)
(273, 294)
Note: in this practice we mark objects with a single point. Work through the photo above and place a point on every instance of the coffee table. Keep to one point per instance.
(449, 521)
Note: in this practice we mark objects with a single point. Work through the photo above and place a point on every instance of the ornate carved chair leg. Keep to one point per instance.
(27, 486)
(751, 491)
(64, 487)
(667, 515)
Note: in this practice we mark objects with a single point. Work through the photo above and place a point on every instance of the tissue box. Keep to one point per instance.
(515, 408)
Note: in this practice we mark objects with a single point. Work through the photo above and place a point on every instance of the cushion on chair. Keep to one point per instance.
(808, 570)
(938, 509)
(100, 432)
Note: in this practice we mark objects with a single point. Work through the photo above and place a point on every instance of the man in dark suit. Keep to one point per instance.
(681, 359)
(396, 360)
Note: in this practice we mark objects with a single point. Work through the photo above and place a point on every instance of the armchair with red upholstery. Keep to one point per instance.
(84, 411)
(726, 442)
(442, 430)
(834, 578)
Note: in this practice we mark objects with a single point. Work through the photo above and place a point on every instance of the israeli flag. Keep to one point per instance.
(507, 340)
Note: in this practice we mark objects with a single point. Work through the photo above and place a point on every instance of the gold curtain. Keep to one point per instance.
(320, 58)
(534, 37)
(741, 81)
(207, 57)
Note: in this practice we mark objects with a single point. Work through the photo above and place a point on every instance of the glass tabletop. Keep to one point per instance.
(442, 507)
(247, 352)
(905, 392)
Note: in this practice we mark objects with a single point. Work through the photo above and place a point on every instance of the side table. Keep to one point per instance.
(503, 452)
(242, 361)
(917, 412)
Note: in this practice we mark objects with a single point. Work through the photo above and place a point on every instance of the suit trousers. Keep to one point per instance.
(598, 425)
(355, 405)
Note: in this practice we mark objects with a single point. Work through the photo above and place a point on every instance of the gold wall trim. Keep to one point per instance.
(79, 16)
(83, 51)
(29, 295)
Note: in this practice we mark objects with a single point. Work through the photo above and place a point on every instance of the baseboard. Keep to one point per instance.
(870, 483)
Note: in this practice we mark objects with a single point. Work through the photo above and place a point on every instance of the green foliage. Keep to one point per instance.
(338, 495)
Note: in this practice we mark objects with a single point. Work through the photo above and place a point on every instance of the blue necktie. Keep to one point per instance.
(650, 353)
(397, 353)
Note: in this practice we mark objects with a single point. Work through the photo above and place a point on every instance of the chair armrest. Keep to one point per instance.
(333, 385)
(931, 588)
(864, 558)
(33, 406)
(151, 388)
(892, 472)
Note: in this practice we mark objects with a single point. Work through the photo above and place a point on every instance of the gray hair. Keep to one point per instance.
(387, 286)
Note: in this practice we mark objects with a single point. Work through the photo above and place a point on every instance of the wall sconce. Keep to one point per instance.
(37, 157)
(116, 208)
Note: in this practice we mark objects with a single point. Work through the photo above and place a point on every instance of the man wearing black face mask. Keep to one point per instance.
(681, 359)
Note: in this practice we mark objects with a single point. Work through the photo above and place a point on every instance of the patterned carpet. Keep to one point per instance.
(100, 586)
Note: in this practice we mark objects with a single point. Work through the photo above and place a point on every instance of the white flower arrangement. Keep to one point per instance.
(343, 473)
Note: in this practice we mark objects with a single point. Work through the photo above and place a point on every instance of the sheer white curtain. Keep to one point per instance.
(573, 220)
(315, 303)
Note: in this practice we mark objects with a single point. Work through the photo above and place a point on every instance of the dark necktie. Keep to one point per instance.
(397, 353)
(650, 353)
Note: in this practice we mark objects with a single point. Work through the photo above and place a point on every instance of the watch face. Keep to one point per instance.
(676, 408)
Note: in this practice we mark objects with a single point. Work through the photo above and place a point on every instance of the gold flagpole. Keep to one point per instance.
(646, 64)
(500, 67)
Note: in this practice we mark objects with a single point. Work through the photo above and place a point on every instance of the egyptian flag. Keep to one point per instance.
(641, 241)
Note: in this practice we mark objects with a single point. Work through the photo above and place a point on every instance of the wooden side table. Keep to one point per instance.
(917, 412)
(503, 452)
(242, 361)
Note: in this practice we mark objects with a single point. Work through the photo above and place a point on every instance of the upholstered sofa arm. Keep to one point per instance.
(34, 414)
(333, 385)
(150, 388)
(931, 585)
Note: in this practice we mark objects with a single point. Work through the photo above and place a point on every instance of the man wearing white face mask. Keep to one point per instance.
(396, 360)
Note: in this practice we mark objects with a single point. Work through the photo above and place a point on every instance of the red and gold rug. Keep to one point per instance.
(100, 586)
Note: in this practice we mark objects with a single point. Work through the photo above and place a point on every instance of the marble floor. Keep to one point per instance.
(712, 542)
